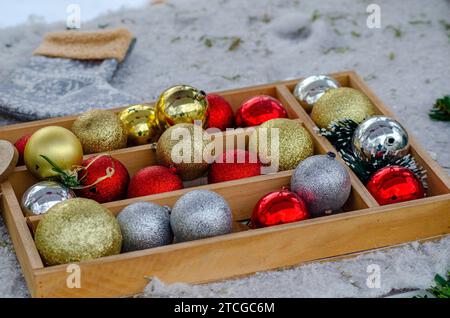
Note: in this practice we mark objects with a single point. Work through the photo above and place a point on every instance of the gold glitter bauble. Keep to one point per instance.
(295, 143)
(341, 103)
(140, 123)
(59, 144)
(181, 104)
(100, 131)
(181, 147)
(76, 230)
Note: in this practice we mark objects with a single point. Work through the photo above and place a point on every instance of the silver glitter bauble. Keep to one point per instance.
(311, 88)
(380, 136)
(144, 225)
(323, 182)
(43, 195)
(199, 214)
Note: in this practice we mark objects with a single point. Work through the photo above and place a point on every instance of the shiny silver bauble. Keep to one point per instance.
(43, 195)
(380, 136)
(310, 89)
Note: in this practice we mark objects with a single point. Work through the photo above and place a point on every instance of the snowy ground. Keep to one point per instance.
(406, 62)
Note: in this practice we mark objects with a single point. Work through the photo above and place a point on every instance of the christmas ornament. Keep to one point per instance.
(103, 179)
(380, 136)
(278, 207)
(8, 159)
(395, 184)
(200, 214)
(20, 146)
(309, 90)
(76, 230)
(294, 143)
(153, 180)
(234, 164)
(100, 131)
(341, 133)
(181, 104)
(258, 110)
(141, 125)
(144, 225)
(59, 145)
(341, 103)
(220, 113)
(40, 197)
(181, 147)
(323, 183)
(441, 109)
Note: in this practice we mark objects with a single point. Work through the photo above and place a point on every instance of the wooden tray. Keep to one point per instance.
(364, 226)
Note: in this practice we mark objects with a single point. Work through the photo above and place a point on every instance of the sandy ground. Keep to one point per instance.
(406, 62)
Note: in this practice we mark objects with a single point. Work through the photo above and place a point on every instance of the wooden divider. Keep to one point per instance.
(364, 226)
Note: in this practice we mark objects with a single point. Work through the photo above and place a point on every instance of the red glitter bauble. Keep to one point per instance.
(234, 164)
(220, 113)
(279, 207)
(258, 110)
(105, 178)
(152, 180)
(20, 146)
(395, 184)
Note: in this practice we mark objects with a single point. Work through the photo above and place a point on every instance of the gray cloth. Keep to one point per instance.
(50, 87)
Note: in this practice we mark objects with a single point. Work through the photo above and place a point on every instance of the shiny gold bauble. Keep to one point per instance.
(341, 103)
(295, 143)
(76, 230)
(59, 144)
(171, 147)
(140, 123)
(100, 131)
(181, 104)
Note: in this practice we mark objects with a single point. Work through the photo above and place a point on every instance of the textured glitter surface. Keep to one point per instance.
(379, 136)
(152, 180)
(40, 197)
(181, 104)
(200, 214)
(340, 103)
(323, 182)
(111, 187)
(100, 131)
(220, 113)
(141, 125)
(57, 143)
(295, 143)
(76, 230)
(144, 225)
(188, 169)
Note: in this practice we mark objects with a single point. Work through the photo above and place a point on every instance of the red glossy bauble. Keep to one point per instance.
(258, 110)
(234, 164)
(395, 184)
(152, 180)
(20, 146)
(220, 113)
(105, 178)
(279, 207)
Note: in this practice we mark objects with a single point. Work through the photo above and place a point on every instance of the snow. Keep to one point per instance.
(406, 62)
